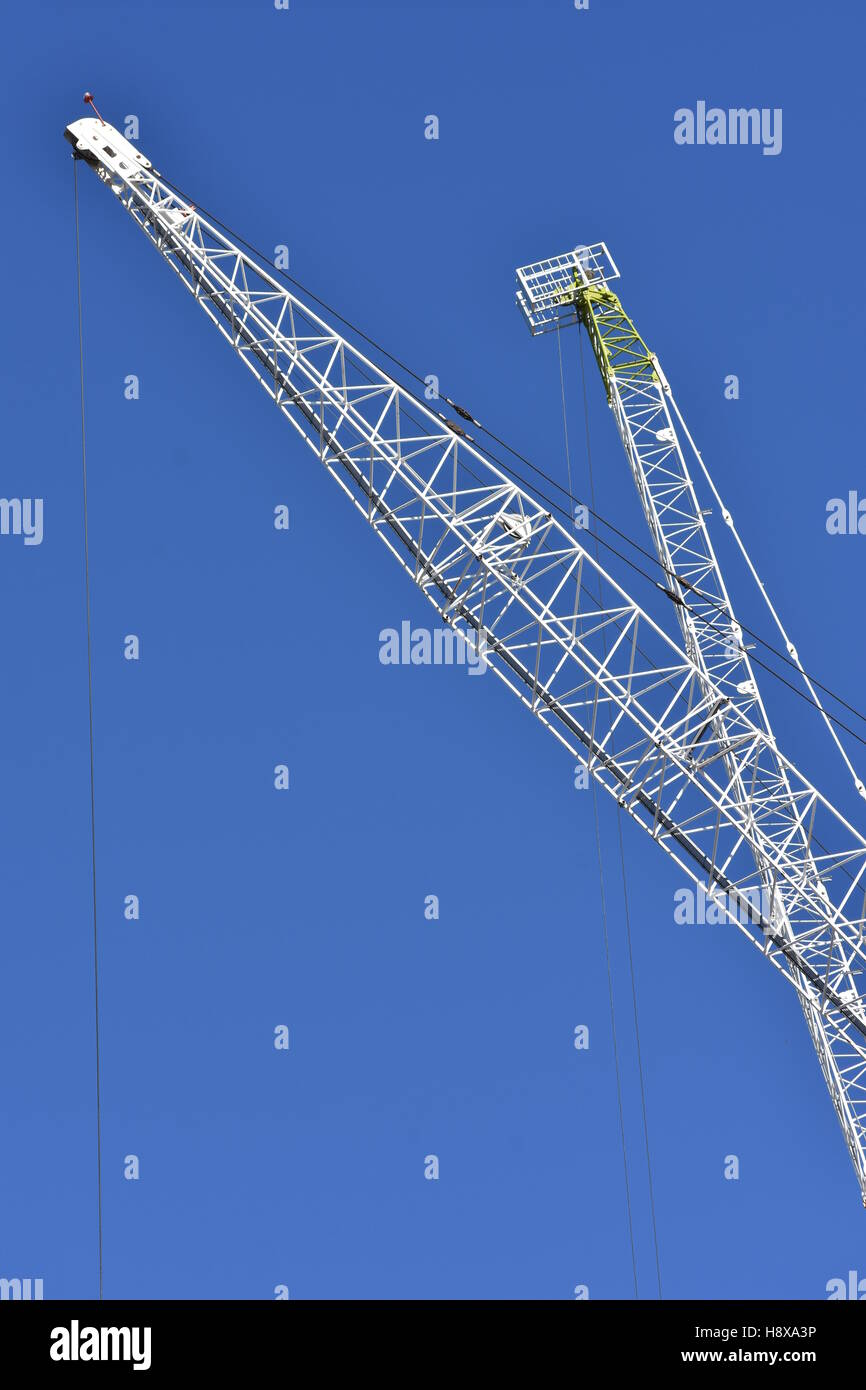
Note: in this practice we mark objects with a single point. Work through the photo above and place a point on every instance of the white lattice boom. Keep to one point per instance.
(678, 736)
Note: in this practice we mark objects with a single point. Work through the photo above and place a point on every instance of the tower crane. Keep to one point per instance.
(676, 732)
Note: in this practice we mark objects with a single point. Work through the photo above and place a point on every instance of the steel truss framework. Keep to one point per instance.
(575, 288)
(678, 737)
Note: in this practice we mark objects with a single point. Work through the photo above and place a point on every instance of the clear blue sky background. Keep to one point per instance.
(305, 1168)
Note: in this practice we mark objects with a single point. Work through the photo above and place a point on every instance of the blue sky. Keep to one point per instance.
(408, 1037)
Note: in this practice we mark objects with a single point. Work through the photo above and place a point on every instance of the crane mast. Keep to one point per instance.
(575, 288)
(676, 734)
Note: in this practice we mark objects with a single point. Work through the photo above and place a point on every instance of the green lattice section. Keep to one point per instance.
(618, 347)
